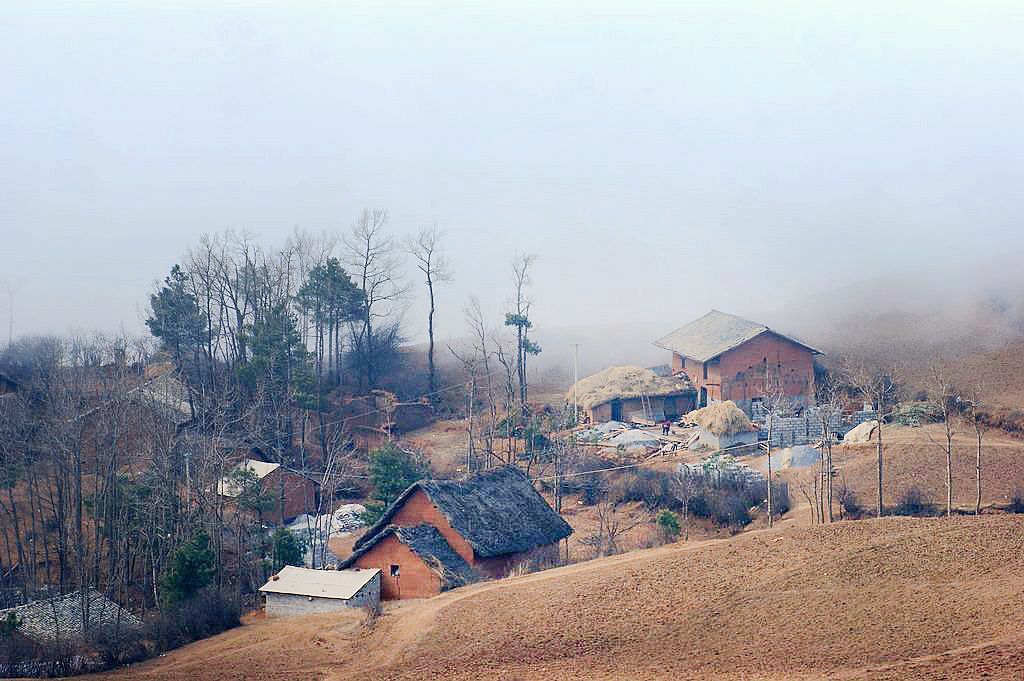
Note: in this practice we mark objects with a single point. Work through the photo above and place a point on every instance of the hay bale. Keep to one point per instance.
(861, 433)
(720, 418)
(618, 383)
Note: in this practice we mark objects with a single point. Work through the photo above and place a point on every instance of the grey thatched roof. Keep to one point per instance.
(60, 618)
(715, 333)
(497, 512)
(622, 383)
(432, 548)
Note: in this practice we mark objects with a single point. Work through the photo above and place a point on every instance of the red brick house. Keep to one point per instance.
(293, 492)
(440, 534)
(730, 358)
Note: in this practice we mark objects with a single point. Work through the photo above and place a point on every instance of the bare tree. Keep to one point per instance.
(829, 405)
(877, 383)
(425, 248)
(519, 318)
(775, 403)
(480, 336)
(944, 396)
(974, 414)
(373, 257)
(610, 528)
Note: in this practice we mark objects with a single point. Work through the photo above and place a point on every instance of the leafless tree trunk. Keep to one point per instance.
(946, 400)
(425, 248)
(876, 383)
(374, 259)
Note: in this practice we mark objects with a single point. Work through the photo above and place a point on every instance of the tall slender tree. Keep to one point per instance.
(425, 248)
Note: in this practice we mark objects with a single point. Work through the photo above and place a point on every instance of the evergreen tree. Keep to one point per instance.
(288, 549)
(391, 471)
(175, 317)
(192, 567)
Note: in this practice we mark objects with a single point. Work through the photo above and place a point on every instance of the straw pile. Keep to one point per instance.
(623, 383)
(721, 418)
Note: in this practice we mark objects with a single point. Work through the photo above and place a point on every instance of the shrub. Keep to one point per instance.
(668, 523)
(391, 471)
(913, 503)
(204, 614)
(652, 488)
(192, 567)
(288, 549)
(848, 503)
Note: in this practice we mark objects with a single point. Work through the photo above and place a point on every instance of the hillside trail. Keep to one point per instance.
(405, 623)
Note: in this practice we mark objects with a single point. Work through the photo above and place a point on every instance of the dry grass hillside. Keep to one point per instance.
(914, 459)
(897, 598)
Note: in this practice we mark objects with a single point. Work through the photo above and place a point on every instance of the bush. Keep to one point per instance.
(913, 503)
(391, 471)
(1017, 502)
(668, 523)
(288, 549)
(652, 488)
(205, 614)
(192, 567)
(848, 503)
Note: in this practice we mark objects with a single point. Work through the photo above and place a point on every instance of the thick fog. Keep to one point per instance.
(802, 164)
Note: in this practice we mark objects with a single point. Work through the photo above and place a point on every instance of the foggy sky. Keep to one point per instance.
(662, 160)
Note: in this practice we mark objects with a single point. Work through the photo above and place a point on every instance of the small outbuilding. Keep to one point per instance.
(301, 591)
(294, 492)
(631, 393)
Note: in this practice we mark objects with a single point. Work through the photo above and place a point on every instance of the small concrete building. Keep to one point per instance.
(301, 591)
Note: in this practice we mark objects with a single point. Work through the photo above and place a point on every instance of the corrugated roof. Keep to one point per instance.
(715, 333)
(228, 487)
(343, 584)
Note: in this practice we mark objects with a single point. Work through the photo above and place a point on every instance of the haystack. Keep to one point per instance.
(623, 383)
(720, 418)
(861, 433)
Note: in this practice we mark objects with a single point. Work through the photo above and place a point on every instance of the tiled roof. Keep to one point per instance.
(60, 618)
(715, 333)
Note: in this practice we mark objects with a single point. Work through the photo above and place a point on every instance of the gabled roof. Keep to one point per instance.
(431, 547)
(229, 487)
(715, 333)
(60, 618)
(497, 512)
(342, 584)
(620, 383)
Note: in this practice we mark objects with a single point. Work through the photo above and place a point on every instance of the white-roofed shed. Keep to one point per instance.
(301, 591)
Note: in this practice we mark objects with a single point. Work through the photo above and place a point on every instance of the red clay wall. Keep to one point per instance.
(418, 509)
(499, 567)
(742, 369)
(414, 580)
(739, 373)
(299, 495)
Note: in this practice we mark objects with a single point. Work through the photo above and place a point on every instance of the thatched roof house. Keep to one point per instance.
(488, 522)
(618, 393)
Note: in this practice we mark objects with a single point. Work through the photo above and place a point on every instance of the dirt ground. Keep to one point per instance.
(896, 598)
(913, 457)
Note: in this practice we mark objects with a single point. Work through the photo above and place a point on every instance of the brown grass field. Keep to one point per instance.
(896, 598)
